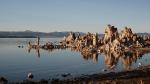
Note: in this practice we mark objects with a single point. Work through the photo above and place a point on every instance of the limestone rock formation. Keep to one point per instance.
(110, 33)
(126, 39)
(70, 38)
(126, 33)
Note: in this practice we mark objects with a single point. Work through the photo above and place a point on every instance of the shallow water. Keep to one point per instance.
(16, 63)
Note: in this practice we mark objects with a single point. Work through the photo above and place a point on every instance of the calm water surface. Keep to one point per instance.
(16, 63)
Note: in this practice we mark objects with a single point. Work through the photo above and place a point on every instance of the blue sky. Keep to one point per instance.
(74, 15)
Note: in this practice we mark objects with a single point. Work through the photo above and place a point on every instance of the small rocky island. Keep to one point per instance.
(111, 40)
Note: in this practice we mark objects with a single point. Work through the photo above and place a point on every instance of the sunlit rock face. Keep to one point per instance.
(126, 33)
(110, 33)
(111, 38)
(129, 38)
(70, 38)
(124, 40)
(86, 40)
(95, 39)
(116, 45)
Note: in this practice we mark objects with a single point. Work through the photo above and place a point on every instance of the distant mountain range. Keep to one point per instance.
(31, 34)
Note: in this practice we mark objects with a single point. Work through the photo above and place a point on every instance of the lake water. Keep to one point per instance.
(16, 63)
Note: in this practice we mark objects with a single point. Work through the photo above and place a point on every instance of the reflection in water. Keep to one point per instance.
(37, 52)
(111, 58)
(89, 56)
(129, 57)
(126, 57)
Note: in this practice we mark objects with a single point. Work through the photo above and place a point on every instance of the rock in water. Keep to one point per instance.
(139, 64)
(3, 80)
(30, 76)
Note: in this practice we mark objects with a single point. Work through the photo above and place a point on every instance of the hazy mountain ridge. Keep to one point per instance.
(31, 34)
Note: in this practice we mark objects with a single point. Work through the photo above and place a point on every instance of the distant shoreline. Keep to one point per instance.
(31, 34)
(17, 37)
(29, 37)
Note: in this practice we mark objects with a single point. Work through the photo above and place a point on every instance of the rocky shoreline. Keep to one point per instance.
(140, 75)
